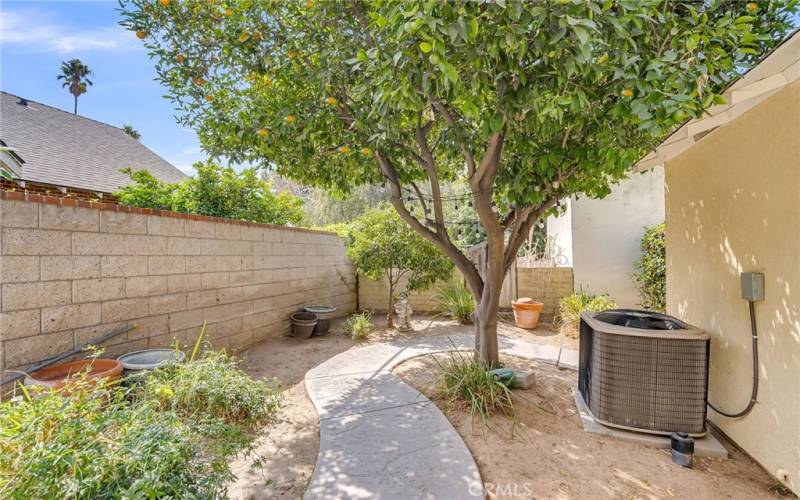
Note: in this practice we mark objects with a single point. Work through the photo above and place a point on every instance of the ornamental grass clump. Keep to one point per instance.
(358, 326)
(465, 381)
(457, 302)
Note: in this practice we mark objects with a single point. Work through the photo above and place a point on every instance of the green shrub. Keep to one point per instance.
(457, 301)
(568, 316)
(171, 436)
(358, 326)
(467, 381)
(95, 444)
(651, 270)
(215, 191)
(212, 387)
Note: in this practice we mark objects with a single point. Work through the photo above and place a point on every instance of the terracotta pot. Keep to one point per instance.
(526, 312)
(103, 371)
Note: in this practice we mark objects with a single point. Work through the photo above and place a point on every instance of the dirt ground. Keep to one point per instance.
(286, 451)
(551, 456)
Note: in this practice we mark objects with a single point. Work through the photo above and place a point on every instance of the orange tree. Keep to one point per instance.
(528, 102)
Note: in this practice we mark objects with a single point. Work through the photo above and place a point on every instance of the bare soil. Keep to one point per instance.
(543, 452)
(286, 450)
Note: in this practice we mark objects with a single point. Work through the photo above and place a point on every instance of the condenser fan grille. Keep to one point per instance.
(656, 383)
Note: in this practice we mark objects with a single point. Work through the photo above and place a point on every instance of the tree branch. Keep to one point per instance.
(442, 241)
(362, 21)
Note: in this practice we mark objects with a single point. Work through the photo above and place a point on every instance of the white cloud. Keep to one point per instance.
(32, 31)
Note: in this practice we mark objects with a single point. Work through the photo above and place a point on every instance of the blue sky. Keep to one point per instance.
(35, 37)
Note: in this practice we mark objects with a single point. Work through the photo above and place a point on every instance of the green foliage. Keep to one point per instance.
(383, 245)
(457, 301)
(212, 387)
(215, 191)
(128, 129)
(170, 438)
(465, 381)
(568, 316)
(579, 90)
(358, 326)
(651, 269)
(146, 191)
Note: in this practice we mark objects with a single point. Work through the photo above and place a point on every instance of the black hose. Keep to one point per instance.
(754, 393)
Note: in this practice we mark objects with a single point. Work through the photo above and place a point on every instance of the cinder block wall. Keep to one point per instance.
(72, 273)
(545, 284)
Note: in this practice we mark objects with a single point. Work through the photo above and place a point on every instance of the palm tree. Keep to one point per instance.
(131, 131)
(75, 73)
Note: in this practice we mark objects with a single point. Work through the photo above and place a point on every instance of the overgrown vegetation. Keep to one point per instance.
(568, 316)
(651, 269)
(214, 191)
(170, 437)
(466, 381)
(527, 103)
(381, 245)
(358, 326)
(457, 302)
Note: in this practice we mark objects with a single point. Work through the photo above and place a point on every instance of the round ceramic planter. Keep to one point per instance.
(303, 324)
(526, 312)
(103, 371)
(324, 316)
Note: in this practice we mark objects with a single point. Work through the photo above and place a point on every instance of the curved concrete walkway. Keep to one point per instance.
(381, 438)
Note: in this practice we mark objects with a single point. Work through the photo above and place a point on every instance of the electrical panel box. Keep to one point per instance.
(753, 286)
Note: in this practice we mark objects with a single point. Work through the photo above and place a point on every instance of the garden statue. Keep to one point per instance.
(404, 312)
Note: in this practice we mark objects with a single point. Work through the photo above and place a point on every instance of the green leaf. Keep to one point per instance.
(425, 47)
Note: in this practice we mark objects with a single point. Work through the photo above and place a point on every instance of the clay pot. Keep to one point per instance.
(303, 324)
(526, 312)
(103, 371)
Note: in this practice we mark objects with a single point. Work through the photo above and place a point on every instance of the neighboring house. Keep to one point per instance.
(733, 206)
(600, 239)
(54, 148)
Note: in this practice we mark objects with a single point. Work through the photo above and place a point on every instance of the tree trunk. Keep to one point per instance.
(389, 321)
(75, 108)
(488, 304)
(486, 329)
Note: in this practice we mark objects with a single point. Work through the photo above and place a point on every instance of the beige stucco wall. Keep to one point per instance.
(733, 205)
(71, 274)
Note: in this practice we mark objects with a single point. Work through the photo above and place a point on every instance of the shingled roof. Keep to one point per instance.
(63, 149)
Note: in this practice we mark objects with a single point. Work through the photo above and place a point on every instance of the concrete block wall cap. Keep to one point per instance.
(55, 200)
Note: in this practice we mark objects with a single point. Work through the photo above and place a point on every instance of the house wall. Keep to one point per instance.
(71, 273)
(733, 205)
(607, 234)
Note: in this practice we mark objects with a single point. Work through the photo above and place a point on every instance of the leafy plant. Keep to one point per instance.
(382, 245)
(171, 436)
(212, 386)
(358, 326)
(568, 316)
(457, 301)
(215, 191)
(525, 102)
(465, 380)
(128, 129)
(651, 269)
(95, 444)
